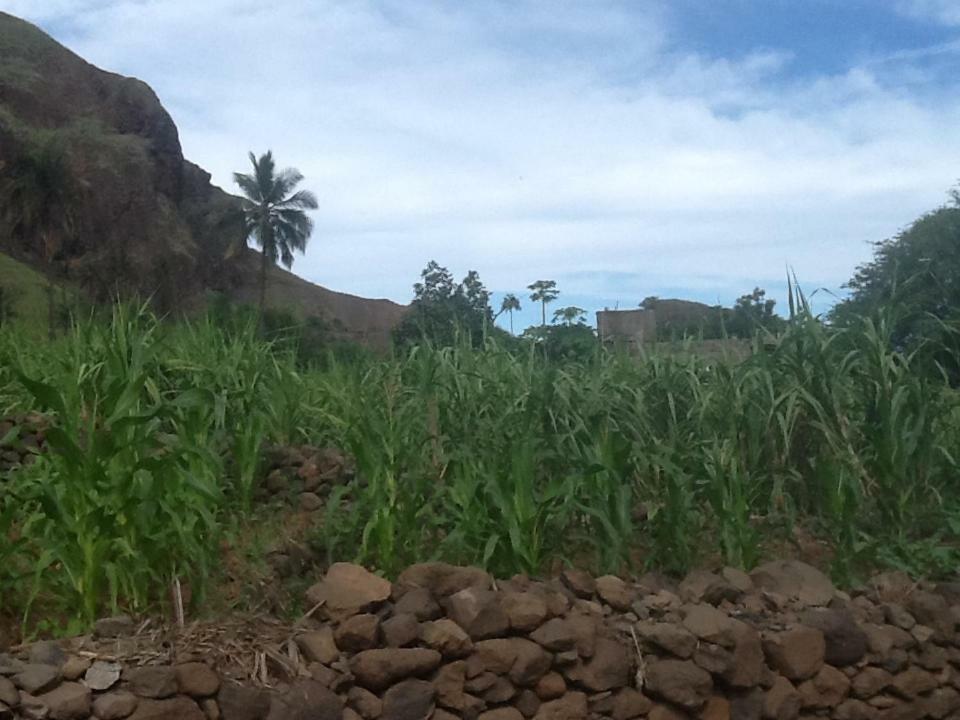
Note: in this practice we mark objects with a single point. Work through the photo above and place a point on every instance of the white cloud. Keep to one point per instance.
(941, 11)
(531, 140)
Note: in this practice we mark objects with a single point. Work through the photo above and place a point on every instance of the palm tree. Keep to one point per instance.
(39, 198)
(544, 291)
(569, 315)
(509, 303)
(275, 219)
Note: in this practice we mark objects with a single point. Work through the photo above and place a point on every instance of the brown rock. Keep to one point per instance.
(114, 627)
(572, 706)
(717, 708)
(501, 691)
(895, 614)
(442, 579)
(942, 702)
(608, 669)
(379, 668)
(242, 703)
(629, 704)
(441, 714)
(152, 681)
(795, 580)
(737, 578)
(680, 682)
(319, 645)
(782, 701)
(826, 689)
(75, 667)
(348, 589)
(931, 657)
(846, 643)
(367, 705)
(307, 700)
(675, 639)
(524, 660)
(580, 582)
(665, 712)
(102, 675)
(852, 709)
(358, 632)
(34, 678)
(178, 708)
(527, 703)
(912, 682)
(584, 629)
(400, 630)
(197, 679)
(714, 659)
(615, 592)
(114, 705)
(933, 610)
(449, 686)
(797, 653)
(711, 625)
(525, 610)
(419, 603)
(555, 635)
(550, 686)
(869, 682)
(747, 667)
(9, 695)
(478, 612)
(68, 701)
(504, 713)
(747, 704)
(446, 637)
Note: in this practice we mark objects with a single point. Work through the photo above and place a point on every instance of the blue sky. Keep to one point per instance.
(682, 148)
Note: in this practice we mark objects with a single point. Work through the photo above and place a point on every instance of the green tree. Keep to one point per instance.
(543, 292)
(509, 303)
(40, 195)
(751, 313)
(273, 217)
(569, 315)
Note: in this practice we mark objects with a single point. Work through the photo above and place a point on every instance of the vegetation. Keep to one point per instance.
(275, 218)
(509, 303)
(680, 319)
(543, 292)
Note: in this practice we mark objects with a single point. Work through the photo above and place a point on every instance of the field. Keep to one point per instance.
(158, 438)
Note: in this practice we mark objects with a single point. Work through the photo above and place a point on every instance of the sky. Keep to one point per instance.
(677, 148)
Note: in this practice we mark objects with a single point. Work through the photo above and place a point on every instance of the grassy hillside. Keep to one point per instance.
(27, 287)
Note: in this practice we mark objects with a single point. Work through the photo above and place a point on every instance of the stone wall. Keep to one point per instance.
(444, 642)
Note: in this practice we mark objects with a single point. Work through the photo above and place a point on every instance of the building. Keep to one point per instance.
(627, 328)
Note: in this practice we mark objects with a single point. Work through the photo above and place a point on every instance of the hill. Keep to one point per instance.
(144, 220)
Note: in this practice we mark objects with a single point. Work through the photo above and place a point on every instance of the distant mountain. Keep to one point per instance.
(145, 220)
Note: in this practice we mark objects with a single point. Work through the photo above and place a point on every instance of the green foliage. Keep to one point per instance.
(8, 308)
(750, 315)
(543, 292)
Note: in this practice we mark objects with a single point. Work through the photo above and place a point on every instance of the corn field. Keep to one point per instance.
(493, 457)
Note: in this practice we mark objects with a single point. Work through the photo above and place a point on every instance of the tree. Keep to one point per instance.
(275, 218)
(751, 313)
(40, 196)
(569, 315)
(509, 303)
(543, 292)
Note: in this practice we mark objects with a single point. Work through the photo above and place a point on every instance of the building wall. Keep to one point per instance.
(627, 327)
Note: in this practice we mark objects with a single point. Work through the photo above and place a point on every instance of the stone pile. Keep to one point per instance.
(445, 642)
(22, 438)
(304, 474)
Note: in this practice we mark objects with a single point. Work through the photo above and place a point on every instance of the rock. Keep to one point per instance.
(870, 681)
(152, 681)
(309, 700)
(47, 652)
(571, 706)
(419, 603)
(310, 502)
(197, 679)
(942, 702)
(348, 589)
(826, 689)
(75, 667)
(500, 691)
(114, 705)
(897, 615)
(527, 703)
(449, 686)
(609, 668)
(10, 665)
(525, 611)
(114, 627)
(782, 701)
(32, 708)
(711, 625)
(881, 639)
(9, 695)
(358, 632)
(319, 645)
(550, 686)
(580, 582)
(68, 701)
(748, 659)
(795, 580)
(368, 705)
(737, 578)
(34, 678)
(504, 713)
(102, 675)
(851, 709)
(717, 708)
(179, 708)
(584, 628)
(478, 612)
(845, 642)
(523, 660)
(443, 580)
(446, 637)
(715, 659)
(556, 635)
(932, 610)
(797, 653)
(912, 682)
(675, 639)
(241, 703)
(629, 704)
(615, 592)
(379, 668)
(400, 630)
(680, 682)
(747, 704)
(664, 712)
(408, 700)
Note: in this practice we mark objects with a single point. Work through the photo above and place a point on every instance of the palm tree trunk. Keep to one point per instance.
(511, 322)
(263, 285)
(543, 312)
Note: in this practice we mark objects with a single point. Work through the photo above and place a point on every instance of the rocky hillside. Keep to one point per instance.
(143, 219)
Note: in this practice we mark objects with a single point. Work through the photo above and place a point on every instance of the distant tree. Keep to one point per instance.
(569, 315)
(751, 313)
(39, 197)
(543, 292)
(509, 303)
(273, 217)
